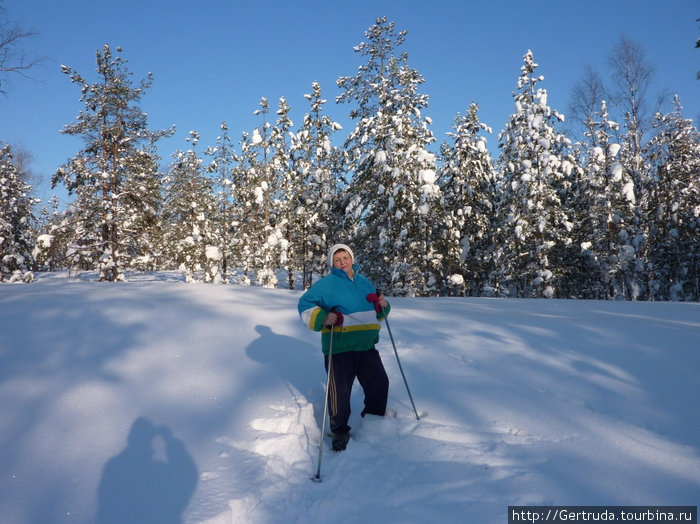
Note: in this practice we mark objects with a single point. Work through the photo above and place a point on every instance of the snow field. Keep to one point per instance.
(525, 402)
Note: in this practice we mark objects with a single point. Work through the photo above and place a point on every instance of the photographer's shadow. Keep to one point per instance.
(151, 481)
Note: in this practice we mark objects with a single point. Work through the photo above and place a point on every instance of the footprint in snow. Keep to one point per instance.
(283, 439)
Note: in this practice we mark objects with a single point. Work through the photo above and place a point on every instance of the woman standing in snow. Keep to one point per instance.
(347, 303)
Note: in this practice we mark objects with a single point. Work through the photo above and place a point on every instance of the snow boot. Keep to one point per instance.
(340, 441)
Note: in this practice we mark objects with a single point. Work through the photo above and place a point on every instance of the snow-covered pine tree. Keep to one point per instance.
(674, 208)
(468, 183)
(114, 129)
(189, 205)
(224, 160)
(50, 247)
(142, 202)
(247, 208)
(79, 227)
(283, 187)
(393, 193)
(263, 182)
(318, 219)
(17, 221)
(536, 164)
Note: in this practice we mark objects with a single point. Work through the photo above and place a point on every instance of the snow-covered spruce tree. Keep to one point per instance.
(468, 183)
(17, 221)
(610, 205)
(317, 220)
(633, 172)
(577, 270)
(593, 210)
(674, 208)
(283, 189)
(536, 164)
(586, 122)
(189, 206)
(114, 130)
(224, 160)
(393, 193)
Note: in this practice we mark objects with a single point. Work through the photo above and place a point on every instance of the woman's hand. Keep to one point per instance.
(331, 319)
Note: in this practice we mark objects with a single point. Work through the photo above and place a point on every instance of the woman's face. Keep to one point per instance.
(343, 260)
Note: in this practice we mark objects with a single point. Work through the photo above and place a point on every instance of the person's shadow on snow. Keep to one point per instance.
(151, 481)
(297, 362)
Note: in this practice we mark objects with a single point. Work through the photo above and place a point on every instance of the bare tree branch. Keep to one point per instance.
(586, 97)
(13, 59)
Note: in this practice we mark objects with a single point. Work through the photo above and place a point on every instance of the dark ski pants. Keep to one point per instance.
(368, 368)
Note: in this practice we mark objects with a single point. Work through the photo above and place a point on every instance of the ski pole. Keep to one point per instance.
(317, 478)
(386, 319)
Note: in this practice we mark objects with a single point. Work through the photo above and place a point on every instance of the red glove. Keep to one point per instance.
(374, 298)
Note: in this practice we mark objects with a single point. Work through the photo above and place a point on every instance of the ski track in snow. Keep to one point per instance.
(524, 402)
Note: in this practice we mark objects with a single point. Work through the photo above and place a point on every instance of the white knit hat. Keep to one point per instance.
(337, 247)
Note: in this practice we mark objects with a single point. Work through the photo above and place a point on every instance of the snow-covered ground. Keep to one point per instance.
(203, 403)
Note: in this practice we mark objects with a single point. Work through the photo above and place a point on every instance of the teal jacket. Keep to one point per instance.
(337, 291)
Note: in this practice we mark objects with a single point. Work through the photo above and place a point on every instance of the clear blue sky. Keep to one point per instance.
(214, 60)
